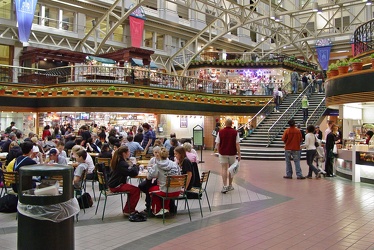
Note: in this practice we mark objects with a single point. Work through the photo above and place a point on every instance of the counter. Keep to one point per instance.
(357, 166)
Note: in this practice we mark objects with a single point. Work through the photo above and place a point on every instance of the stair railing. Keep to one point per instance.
(290, 112)
(266, 110)
(317, 113)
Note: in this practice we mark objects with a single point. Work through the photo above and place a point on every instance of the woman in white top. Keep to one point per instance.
(309, 144)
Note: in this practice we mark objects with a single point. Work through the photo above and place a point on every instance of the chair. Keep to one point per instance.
(198, 191)
(78, 192)
(173, 181)
(106, 162)
(9, 179)
(104, 190)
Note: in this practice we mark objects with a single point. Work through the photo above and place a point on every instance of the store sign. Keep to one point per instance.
(137, 19)
(25, 10)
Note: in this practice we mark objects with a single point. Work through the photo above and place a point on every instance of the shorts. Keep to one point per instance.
(230, 159)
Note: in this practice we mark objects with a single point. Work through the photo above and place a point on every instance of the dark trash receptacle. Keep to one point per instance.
(46, 221)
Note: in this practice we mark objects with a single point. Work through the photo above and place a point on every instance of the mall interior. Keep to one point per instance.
(192, 65)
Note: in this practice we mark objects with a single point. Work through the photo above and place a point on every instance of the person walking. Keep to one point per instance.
(278, 99)
(227, 143)
(305, 106)
(292, 139)
(294, 81)
(310, 145)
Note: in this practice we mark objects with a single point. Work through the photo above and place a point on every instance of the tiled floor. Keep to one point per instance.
(264, 211)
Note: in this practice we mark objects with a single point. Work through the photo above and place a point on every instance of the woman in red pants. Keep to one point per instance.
(121, 169)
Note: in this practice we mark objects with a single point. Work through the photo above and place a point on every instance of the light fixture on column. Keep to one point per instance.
(277, 18)
(315, 7)
(369, 2)
(319, 10)
(272, 14)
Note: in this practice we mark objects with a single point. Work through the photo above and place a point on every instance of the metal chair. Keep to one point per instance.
(104, 190)
(78, 192)
(199, 191)
(174, 182)
(9, 179)
(106, 163)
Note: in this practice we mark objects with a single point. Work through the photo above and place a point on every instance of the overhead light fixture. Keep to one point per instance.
(277, 18)
(272, 14)
(319, 10)
(369, 2)
(315, 7)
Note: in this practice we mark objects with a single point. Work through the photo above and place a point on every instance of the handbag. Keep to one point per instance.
(316, 143)
(335, 150)
(214, 133)
(234, 168)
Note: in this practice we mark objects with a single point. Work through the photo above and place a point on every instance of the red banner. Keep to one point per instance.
(136, 31)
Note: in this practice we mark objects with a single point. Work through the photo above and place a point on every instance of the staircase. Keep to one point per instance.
(267, 144)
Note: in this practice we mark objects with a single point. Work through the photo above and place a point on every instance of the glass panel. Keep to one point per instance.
(51, 17)
(89, 25)
(160, 42)
(5, 9)
(68, 20)
(148, 39)
(37, 15)
(4, 54)
(118, 34)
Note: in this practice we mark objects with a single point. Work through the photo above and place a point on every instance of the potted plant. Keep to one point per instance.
(372, 60)
(125, 92)
(112, 90)
(343, 66)
(64, 91)
(356, 64)
(333, 69)
(26, 91)
(99, 91)
(88, 91)
(54, 91)
(39, 92)
(45, 92)
(199, 98)
(177, 96)
(162, 94)
(145, 93)
(14, 91)
(2, 90)
(155, 95)
(136, 93)
(76, 92)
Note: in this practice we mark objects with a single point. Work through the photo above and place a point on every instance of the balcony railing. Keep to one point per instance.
(363, 38)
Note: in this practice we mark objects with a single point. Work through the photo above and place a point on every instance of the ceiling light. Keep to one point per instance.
(272, 14)
(315, 7)
(369, 2)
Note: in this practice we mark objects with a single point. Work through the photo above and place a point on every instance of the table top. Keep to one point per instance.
(143, 162)
(94, 154)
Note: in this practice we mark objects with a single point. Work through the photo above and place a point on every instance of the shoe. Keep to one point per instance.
(230, 188)
(277, 111)
(162, 212)
(224, 190)
(301, 177)
(308, 176)
(287, 177)
(126, 214)
(318, 175)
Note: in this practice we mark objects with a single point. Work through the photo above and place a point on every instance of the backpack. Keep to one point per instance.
(87, 201)
(8, 203)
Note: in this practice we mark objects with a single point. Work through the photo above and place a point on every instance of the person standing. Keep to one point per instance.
(331, 140)
(305, 106)
(227, 143)
(318, 133)
(294, 81)
(310, 140)
(319, 79)
(292, 139)
(278, 99)
(8, 130)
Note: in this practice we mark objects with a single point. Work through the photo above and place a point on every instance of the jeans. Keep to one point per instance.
(294, 87)
(305, 115)
(295, 154)
(319, 82)
(309, 160)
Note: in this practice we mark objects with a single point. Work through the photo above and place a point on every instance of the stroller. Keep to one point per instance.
(319, 158)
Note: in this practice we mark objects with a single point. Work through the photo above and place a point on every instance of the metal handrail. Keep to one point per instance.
(285, 117)
(264, 110)
(317, 112)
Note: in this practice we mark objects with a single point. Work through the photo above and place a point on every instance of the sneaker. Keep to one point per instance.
(301, 177)
(162, 212)
(309, 176)
(230, 188)
(224, 190)
(287, 177)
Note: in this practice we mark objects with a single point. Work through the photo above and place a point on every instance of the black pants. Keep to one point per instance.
(144, 186)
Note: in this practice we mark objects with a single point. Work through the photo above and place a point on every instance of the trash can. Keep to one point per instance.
(46, 215)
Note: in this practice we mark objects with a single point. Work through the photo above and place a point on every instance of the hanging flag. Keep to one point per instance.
(137, 27)
(324, 56)
(25, 10)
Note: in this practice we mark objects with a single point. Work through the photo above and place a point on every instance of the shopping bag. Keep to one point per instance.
(335, 150)
(234, 168)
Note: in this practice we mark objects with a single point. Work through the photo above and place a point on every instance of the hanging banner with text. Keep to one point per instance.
(324, 56)
(25, 10)
(137, 18)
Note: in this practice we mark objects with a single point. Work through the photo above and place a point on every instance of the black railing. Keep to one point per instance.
(363, 38)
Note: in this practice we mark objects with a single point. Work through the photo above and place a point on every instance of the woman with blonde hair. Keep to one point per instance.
(122, 168)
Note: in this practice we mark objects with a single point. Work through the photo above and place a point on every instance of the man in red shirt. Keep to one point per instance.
(227, 143)
(292, 139)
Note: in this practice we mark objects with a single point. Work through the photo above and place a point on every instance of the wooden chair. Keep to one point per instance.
(199, 191)
(98, 160)
(105, 191)
(9, 179)
(174, 182)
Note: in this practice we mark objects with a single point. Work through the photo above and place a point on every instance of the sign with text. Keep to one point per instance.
(25, 10)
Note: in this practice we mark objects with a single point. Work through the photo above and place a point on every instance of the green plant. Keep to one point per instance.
(372, 56)
(332, 66)
(354, 60)
(112, 88)
(342, 63)
(64, 89)
(38, 90)
(88, 88)
(3, 87)
(99, 89)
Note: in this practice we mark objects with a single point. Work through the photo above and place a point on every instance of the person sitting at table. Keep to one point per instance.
(14, 151)
(88, 160)
(24, 160)
(61, 149)
(163, 168)
(185, 165)
(92, 147)
(133, 146)
(56, 157)
(369, 134)
(147, 184)
(174, 144)
(36, 155)
(105, 151)
(81, 157)
(122, 168)
(46, 132)
(193, 157)
(190, 152)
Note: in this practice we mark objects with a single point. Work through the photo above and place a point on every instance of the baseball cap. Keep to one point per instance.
(53, 151)
(14, 127)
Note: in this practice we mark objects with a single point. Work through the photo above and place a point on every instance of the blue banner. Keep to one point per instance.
(25, 14)
(324, 56)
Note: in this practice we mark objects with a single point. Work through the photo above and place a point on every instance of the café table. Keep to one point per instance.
(93, 154)
(143, 162)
